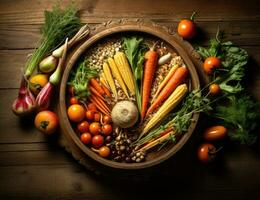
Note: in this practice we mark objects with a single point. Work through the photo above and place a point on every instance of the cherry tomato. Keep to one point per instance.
(187, 29)
(97, 117)
(215, 133)
(214, 89)
(76, 112)
(92, 106)
(97, 141)
(106, 119)
(90, 114)
(46, 122)
(210, 63)
(95, 128)
(206, 153)
(107, 129)
(86, 138)
(104, 151)
(74, 100)
(83, 127)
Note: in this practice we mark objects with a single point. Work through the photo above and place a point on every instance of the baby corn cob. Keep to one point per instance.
(125, 71)
(117, 75)
(168, 105)
(109, 79)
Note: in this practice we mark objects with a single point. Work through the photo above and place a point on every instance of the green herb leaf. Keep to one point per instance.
(241, 115)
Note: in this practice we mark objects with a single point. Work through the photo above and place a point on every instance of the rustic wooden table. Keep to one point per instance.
(34, 167)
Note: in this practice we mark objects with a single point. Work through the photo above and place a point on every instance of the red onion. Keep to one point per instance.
(44, 97)
(24, 104)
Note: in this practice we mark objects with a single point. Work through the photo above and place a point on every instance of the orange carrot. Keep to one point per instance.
(106, 90)
(175, 80)
(101, 102)
(99, 106)
(96, 93)
(151, 57)
(97, 86)
(165, 81)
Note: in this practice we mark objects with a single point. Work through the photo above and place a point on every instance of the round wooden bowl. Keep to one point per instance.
(153, 158)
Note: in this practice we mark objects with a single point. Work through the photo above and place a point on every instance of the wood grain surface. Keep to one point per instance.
(34, 167)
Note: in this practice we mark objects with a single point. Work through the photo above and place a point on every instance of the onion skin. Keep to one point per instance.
(24, 104)
(48, 64)
(44, 97)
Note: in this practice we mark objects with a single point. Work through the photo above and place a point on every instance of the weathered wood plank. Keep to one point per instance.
(22, 12)
(67, 180)
(13, 129)
(242, 33)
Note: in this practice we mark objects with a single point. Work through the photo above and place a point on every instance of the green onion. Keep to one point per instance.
(59, 24)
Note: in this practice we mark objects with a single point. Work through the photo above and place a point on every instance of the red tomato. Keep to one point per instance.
(104, 151)
(83, 127)
(92, 107)
(95, 128)
(215, 133)
(107, 129)
(73, 100)
(214, 89)
(97, 141)
(206, 153)
(97, 117)
(210, 63)
(187, 29)
(46, 122)
(76, 112)
(106, 119)
(86, 138)
(90, 114)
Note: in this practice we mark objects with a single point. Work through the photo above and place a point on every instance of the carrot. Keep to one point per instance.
(172, 84)
(159, 140)
(102, 103)
(106, 90)
(97, 86)
(96, 93)
(99, 106)
(165, 81)
(151, 57)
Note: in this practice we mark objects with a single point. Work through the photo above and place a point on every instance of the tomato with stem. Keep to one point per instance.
(95, 128)
(46, 122)
(187, 27)
(207, 152)
(211, 63)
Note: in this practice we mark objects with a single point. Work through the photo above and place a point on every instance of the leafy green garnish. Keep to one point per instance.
(134, 50)
(180, 120)
(233, 59)
(241, 115)
(79, 80)
(59, 24)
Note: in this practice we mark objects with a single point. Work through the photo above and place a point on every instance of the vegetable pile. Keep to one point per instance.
(129, 96)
